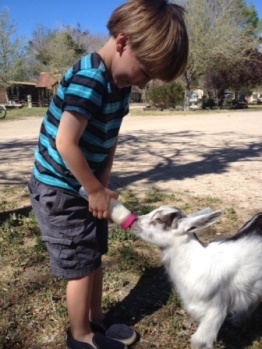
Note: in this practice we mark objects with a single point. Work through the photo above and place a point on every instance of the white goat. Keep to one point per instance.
(214, 280)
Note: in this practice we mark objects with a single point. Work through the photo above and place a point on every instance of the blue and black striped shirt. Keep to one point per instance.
(87, 89)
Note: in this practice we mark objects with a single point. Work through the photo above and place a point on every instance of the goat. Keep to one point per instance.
(214, 280)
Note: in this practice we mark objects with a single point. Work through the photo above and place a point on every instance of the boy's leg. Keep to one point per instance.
(95, 313)
(84, 298)
(78, 297)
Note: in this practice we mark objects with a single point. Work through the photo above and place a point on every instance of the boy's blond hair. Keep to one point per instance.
(157, 35)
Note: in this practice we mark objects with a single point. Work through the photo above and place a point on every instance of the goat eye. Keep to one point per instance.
(159, 220)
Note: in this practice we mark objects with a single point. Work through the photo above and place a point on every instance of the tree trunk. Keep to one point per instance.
(187, 77)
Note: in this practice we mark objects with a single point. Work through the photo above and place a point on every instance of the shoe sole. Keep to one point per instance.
(128, 341)
(111, 338)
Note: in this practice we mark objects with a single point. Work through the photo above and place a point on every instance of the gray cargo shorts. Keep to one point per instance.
(74, 239)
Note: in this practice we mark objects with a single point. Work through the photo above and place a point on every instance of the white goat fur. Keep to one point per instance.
(214, 280)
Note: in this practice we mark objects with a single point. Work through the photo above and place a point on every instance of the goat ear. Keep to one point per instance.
(192, 224)
(199, 213)
(171, 220)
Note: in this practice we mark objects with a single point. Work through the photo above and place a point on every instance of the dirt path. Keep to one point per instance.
(216, 154)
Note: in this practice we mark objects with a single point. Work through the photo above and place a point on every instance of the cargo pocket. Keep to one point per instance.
(62, 252)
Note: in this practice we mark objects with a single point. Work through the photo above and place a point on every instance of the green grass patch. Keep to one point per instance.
(25, 112)
(21, 113)
(139, 111)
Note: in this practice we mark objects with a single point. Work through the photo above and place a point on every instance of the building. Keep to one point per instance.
(46, 87)
(18, 93)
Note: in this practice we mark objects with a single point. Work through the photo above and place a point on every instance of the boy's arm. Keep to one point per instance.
(71, 128)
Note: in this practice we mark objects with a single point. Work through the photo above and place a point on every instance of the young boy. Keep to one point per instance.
(77, 142)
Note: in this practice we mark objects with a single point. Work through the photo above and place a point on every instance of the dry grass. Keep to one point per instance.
(136, 288)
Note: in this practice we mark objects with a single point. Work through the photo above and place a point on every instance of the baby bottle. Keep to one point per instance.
(118, 212)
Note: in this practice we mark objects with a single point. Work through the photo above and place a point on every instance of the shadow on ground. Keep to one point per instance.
(151, 292)
(24, 211)
(154, 157)
(16, 161)
(244, 336)
(178, 156)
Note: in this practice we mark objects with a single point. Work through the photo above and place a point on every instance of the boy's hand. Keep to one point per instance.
(99, 202)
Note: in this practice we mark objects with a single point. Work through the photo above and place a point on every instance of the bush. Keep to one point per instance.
(208, 103)
(166, 95)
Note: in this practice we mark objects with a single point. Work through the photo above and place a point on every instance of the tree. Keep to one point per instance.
(38, 47)
(83, 41)
(10, 50)
(70, 44)
(61, 52)
(55, 51)
(220, 33)
(245, 74)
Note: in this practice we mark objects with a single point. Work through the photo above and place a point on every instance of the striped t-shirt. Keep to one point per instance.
(87, 89)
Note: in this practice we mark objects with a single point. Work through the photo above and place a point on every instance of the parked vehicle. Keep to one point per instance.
(194, 98)
(240, 103)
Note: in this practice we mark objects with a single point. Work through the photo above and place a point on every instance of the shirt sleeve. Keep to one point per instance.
(85, 93)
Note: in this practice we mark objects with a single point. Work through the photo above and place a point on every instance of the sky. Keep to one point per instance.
(91, 14)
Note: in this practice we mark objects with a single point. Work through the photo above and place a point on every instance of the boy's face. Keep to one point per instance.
(126, 69)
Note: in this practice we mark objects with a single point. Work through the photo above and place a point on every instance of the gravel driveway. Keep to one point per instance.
(211, 154)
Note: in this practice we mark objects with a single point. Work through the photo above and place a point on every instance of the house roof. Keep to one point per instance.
(26, 83)
(46, 80)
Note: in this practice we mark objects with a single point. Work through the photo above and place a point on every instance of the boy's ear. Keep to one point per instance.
(121, 43)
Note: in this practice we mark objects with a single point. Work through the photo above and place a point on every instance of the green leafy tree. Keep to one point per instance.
(10, 50)
(55, 51)
(61, 51)
(221, 32)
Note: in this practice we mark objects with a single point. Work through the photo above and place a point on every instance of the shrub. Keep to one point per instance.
(166, 95)
(208, 103)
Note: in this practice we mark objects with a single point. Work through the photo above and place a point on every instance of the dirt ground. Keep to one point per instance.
(212, 154)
